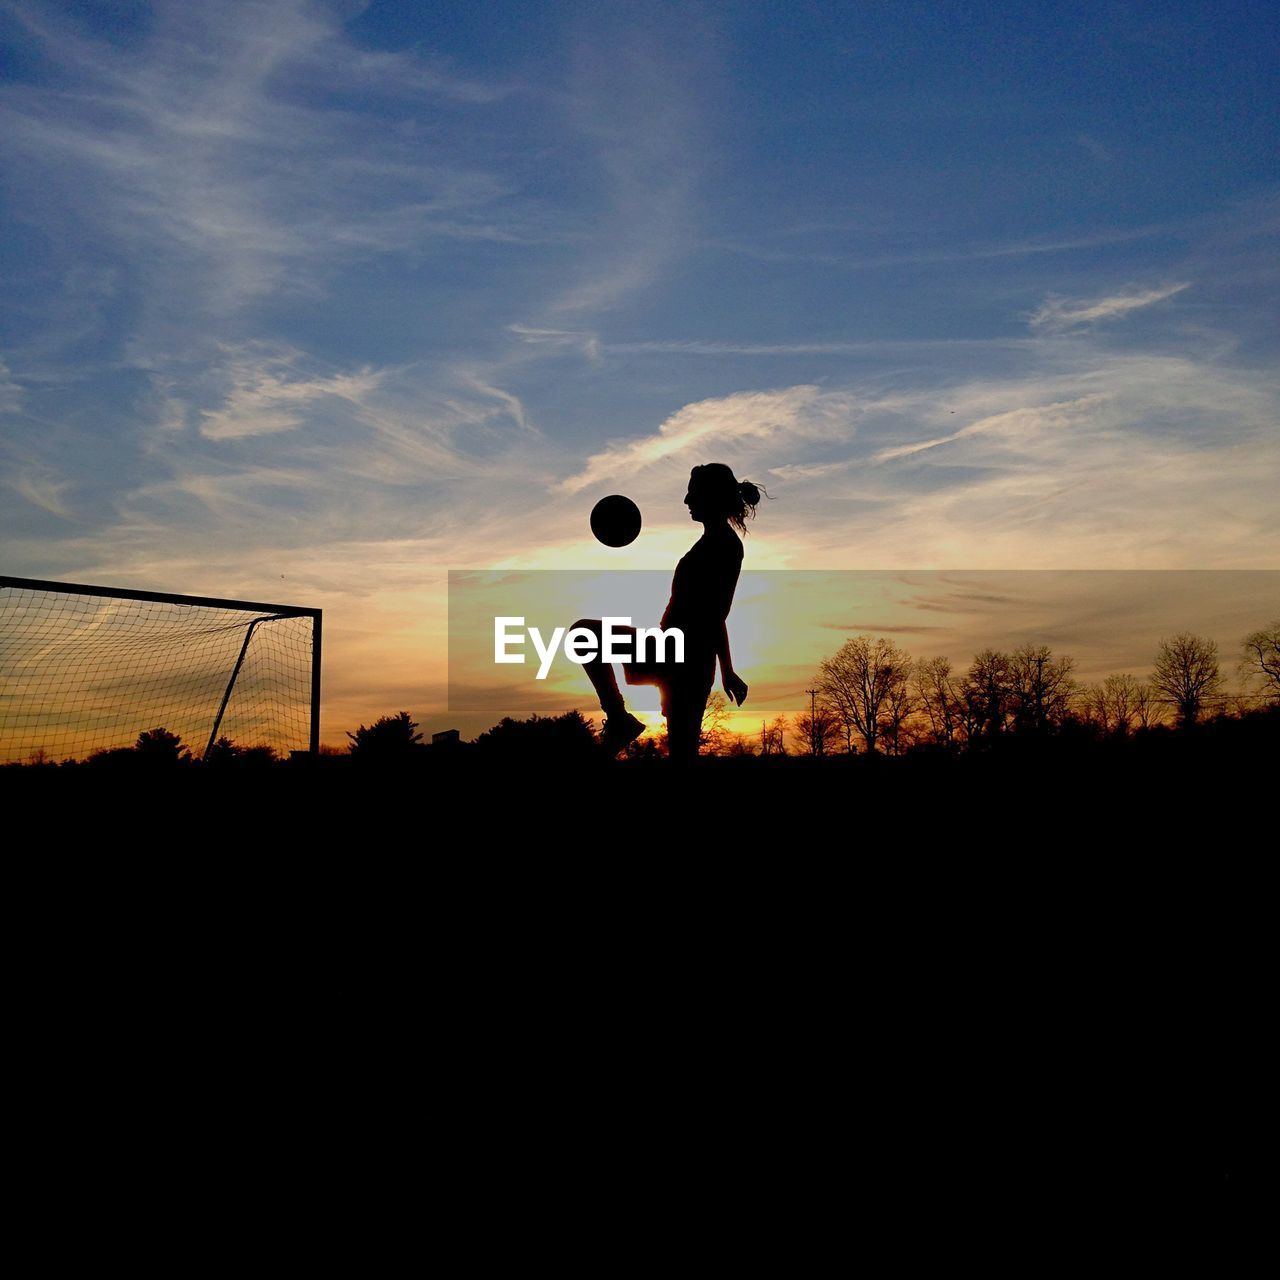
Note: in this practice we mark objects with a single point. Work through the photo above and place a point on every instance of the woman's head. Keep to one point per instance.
(715, 493)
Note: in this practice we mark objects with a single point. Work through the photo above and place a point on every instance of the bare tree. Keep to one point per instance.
(865, 683)
(715, 725)
(939, 698)
(1090, 706)
(773, 737)
(987, 694)
(847, 728)
(1236, 704)
(895, 723)
(1113, 704)
(1186, 675)
(822, 732)
(1147, 707)
(1040, 686)
(1261, 661)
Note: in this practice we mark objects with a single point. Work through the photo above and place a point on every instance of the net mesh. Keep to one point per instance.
(86, 673)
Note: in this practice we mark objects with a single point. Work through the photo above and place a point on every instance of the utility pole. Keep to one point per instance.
(813, 722)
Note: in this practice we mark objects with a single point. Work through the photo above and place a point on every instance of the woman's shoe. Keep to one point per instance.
(618, 732)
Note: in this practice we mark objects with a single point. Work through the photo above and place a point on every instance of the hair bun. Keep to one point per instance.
(749, 493)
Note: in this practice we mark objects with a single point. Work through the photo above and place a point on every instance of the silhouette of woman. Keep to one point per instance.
(701, 595)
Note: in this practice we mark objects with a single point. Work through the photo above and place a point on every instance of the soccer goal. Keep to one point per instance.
(85, 669)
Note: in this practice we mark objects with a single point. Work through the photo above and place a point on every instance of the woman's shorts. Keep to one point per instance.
(685, 686)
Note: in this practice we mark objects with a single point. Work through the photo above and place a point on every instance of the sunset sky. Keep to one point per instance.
(318, 302)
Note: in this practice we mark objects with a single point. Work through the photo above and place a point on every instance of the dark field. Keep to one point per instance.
(1018, 982)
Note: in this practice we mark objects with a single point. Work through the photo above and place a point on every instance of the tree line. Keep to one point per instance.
(869, 697)
(872, 696)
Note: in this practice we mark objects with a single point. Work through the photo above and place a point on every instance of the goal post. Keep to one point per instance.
(86, 669)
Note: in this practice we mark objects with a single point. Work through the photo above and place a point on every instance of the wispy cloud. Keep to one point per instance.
(870, 346)
(196, 149)
(635, 99)
(1015, 424)
(558, 340)
(799, 413)
(868, 257)
(269, 395)
(41, 487)
(808, 471)
(10, 391)
(1073, 466)
(1094, 148)
(1065, 313)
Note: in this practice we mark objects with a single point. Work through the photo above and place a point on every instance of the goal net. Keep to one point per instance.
(85, 669)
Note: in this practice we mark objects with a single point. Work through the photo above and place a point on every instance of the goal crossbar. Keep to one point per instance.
(159, 597)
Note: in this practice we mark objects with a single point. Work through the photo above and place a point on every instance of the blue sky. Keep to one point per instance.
(319, 301)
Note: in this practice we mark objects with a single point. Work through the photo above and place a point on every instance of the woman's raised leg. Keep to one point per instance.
(601, 673)
(620, 726)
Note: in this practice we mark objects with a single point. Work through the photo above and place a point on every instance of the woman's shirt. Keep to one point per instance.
(702, 587)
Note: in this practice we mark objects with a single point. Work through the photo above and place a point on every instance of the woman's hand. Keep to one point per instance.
(735, 687)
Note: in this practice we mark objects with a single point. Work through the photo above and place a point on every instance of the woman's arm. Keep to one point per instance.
(733, 685)
(722, 651)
